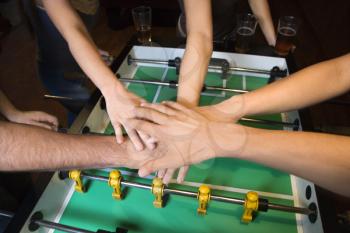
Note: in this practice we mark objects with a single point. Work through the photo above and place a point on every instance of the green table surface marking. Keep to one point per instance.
(96, 209)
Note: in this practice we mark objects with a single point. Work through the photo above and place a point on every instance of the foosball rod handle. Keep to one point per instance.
(37, 221)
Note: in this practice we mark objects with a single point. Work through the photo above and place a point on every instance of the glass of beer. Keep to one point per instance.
(142, 17)
(287, 30)
(245, 30)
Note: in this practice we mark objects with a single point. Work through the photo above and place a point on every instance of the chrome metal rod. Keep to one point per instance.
(214, 67)
(175, 85)
(62, 98)
(60, 227)
(227, 199)
(126, 183)
(136, 185)
(268, 122)
(284, 208)
(159, 83)
(211, 88)
(6, 214)
(148, 61)
(241, 69)
(56, 97)
(291, 209)
(249, 70)
(94, 177)
(180, 192)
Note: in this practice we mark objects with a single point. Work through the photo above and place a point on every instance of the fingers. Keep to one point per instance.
(156, 165)
(144, 126)
(160, 108)
(135, 138)
(168, 175)
(50, 119)
(176, 106)
(40, 124)
(118, 132)
(161, 173)
(147, 140)
(151, 115)
(182, 174)
(41, 119)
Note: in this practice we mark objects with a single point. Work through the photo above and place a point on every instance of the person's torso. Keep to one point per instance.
(223, 15)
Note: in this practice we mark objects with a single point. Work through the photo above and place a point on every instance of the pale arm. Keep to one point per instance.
(309, 86)
(80, 44)
(194, 65)
(30, 148)
(198, 51)
(37, 118)
(191, 138)
(119, 101)
(320, 158)
(261, 10)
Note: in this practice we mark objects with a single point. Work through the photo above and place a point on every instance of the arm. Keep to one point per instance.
(37, 118)
(194, 65)
(320, 158)
(307, 87)
(191, 138)
(28, 148)
(261, 10)
(199, 46)
(119, 101)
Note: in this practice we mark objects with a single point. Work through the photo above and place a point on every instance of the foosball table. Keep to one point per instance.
(218, 195)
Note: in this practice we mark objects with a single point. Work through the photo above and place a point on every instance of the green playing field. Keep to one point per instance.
(96, 209)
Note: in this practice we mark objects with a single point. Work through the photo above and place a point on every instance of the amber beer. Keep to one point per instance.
(142, 17)
(244, 39)
(285, 40)
(144, 34)
(287, 31)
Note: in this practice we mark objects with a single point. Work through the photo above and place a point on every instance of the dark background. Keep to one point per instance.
(324, 33)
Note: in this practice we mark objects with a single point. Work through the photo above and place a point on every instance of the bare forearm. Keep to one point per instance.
(80, 44)
(304, 88)
(32, 148)
(261, 10)
(198, 51)
(320, 158)
(193, 70)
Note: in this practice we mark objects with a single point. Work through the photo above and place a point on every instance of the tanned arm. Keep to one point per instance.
(25, 147)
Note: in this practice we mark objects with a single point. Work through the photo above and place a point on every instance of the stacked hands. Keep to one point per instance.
(176, 136)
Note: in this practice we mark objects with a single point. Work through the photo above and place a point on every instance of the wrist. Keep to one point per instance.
(230, 140)
(12, 114)
(234, 108)
(111, 87)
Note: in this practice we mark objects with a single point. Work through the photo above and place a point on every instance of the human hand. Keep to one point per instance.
(230, 110)
(120, 107)
(227, 111)
(36, 118)
(184, 136)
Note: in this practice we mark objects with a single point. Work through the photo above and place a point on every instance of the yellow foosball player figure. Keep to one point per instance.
(208, 132)
(114, 181)
(251, 205)
(75, 175)
(157, 190)
(203, 199)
